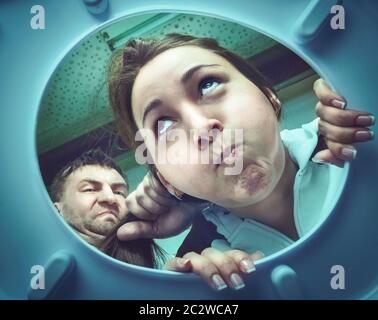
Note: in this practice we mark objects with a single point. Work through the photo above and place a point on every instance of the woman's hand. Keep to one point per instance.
(219, 269)
(339, 128)
(161, 215)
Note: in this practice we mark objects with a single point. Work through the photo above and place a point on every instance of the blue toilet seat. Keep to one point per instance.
(31, 233)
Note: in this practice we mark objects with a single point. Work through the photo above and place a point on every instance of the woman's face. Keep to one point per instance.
(194, 91)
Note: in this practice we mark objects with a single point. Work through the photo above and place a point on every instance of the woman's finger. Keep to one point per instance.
(326, 156)
(344, 118)
(345, 135)
(154, 191)
(136, 230)
(206, 270)
(178, 264)
(257, 255)
(156, 185)
(345, 152)
(228, 268)
(137, 209)
(326, 96)
(244, 260)
(146, 202)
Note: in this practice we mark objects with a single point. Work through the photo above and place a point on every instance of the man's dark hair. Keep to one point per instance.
(91, 157)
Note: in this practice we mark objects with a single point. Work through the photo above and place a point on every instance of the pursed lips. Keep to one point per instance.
(106, 212)
(228, 151)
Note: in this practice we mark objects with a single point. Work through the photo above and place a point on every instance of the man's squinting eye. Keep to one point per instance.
(163, 125)
(208, 84)
(121, 193)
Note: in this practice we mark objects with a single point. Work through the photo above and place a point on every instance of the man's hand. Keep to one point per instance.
(161, 215)
(339, 128)
(218, 269)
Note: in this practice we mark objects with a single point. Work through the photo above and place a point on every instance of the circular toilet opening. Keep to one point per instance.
(75, 117)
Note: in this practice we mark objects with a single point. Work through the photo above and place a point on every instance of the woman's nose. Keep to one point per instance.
(206, 133)
(204, 127)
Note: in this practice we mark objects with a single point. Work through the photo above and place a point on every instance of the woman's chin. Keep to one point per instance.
(252, 183)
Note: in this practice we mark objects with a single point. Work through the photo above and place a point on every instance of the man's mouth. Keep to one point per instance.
(106, 212)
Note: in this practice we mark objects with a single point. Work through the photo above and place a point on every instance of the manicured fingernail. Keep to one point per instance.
(258, 255)
(338, 103)
(364, 135)
(348, 152)
(365, 121)
(247, 265)
(319, 161)
(237, 282)
(218, 282)
(182, 262)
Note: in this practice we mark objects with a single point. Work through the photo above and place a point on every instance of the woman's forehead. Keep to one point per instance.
(168, 67)
(182, 57)
(174, 61)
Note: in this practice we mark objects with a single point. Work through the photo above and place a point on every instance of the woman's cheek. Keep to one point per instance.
(264, 120)
(174, 175)
(177, 153)
(192, 179)
(247, 112)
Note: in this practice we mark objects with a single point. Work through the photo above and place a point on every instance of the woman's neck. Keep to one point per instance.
(276, 211)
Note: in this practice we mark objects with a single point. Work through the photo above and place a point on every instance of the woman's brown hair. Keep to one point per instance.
(126, 63)
(141, 252)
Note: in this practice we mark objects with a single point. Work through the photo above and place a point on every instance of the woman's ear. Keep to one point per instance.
(276, 103)
(171, 189)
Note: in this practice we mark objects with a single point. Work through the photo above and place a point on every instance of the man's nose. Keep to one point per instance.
(107, 195)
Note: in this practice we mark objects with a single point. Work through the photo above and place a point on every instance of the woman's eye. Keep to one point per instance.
(208, 85)
(88, 190)
(163, 125)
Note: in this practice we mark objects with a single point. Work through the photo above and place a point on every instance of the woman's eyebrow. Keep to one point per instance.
(189, 73)
(152, 105)
(185, 78)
